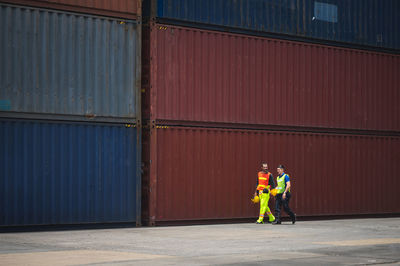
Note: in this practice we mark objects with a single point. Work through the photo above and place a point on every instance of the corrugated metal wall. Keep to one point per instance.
(210, 76)
(202, 173)
(57, 63)
(372, 23)
(68, 173)
(74, 66)
(130, 9)
(316, 90)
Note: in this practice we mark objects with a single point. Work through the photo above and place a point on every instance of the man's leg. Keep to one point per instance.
(271, 217)
(287, 208)
(263, 206)
(278, 205)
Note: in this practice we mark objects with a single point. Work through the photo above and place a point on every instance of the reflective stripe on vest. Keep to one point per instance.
(281, 184)
(263, 179)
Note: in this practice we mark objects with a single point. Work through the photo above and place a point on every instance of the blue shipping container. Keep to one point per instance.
(68, 173)
(57, 63)
(373, 23)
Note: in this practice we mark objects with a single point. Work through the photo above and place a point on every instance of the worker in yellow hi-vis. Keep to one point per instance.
(264, 182)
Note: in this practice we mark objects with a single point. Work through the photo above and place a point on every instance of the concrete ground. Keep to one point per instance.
(334, 242)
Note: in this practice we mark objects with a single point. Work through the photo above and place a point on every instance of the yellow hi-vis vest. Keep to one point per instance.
(281, 184)
(263, 179)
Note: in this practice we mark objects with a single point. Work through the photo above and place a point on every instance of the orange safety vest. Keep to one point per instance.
(263, 179)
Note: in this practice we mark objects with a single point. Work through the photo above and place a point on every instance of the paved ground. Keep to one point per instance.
(335, 242)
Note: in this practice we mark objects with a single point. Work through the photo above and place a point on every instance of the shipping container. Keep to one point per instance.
(361, 23)
(206, 174)
(55, 64)
(69, 173)
(216, 77)
(130, 9)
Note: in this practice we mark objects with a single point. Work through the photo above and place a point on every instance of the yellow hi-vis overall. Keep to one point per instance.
(263, 179)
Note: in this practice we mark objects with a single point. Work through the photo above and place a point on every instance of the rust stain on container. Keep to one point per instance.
(204, 173)
(130, 9)
(208, 76)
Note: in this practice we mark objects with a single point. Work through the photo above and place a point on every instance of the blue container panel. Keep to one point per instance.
(362, 22)
(53, 173)
(68, 64)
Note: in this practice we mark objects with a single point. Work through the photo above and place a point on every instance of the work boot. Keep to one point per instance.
(276, 222)
(259, 222)
(294, 219)
(271, 219)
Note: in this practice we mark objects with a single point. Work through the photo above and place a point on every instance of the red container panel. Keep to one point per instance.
(199, 173)
(130, 9)
(208, 76)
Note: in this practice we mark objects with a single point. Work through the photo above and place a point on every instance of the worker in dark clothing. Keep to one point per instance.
(265, 181)
(283, 195)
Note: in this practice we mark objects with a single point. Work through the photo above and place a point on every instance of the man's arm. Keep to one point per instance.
(255, 192)
(287, 186)
(271, 181)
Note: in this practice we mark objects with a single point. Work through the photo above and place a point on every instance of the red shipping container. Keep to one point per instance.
(130, 9)
(216, 77)
(204, 173)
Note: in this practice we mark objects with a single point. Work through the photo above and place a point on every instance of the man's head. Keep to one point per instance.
(280, 169)
(264, 167)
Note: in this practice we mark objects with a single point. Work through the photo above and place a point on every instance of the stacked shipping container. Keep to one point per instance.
(210, 173)
(128, 9)
(225, 85)
(68, 173)
(218, 77)
(70, 113)
(361, 23)
(57, 63)
(220, 103)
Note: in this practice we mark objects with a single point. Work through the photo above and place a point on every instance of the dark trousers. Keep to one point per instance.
(279, 201)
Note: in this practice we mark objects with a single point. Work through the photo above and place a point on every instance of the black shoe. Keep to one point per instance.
(259, 222)
(276, 222)
(294, 219)
(270, 222)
